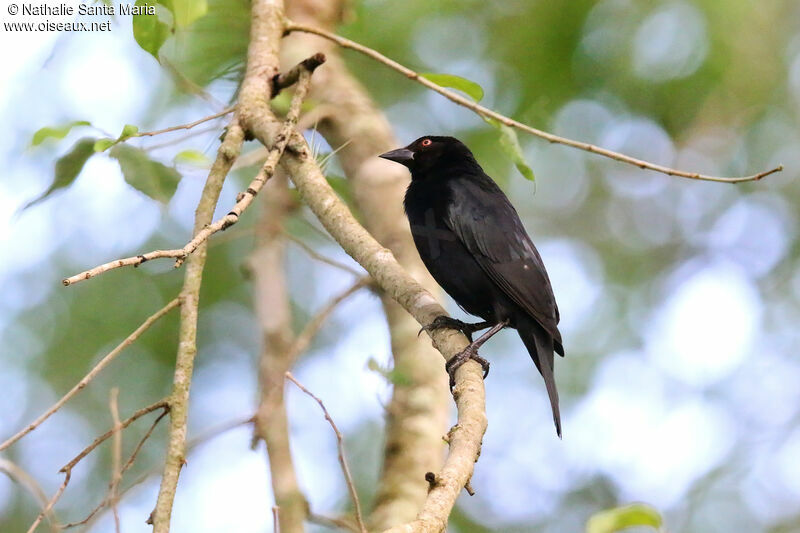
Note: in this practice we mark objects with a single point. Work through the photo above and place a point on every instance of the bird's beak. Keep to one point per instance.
(404, 156)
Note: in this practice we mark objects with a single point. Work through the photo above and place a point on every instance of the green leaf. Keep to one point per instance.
(619, 518)
(128, 131)
(101, 145)
(184, 12)
(149, 32)
(154, 179)
(468, 87)
(510, 145)
(68, 167)
(192, 157)
(56, 132)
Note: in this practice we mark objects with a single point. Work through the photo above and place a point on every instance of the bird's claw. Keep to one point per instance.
(446, 322)
(462, 357)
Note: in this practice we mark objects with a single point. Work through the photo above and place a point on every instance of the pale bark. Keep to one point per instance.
(273, 309)
(187, 337)
(350, 122)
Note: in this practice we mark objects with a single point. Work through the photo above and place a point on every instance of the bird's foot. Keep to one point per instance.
(446, 322)
(470, 352)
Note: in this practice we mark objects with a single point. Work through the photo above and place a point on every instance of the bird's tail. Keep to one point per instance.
(540, 346)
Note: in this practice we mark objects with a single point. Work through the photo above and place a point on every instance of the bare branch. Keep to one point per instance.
(391, 277)
(319, 257)
(333, 522)
(187, 337)
(282, 81)
(67, 469)
(419, 409)
(17, 474)
(49, 507)
(188, 126)
(266, 27)
(274, 313)
(116, 457)
(303, 340)
(340, 447)
(488, 113)
(124, 469)
(193, 443)
(92, 373)
(161, 404)
(119, 263)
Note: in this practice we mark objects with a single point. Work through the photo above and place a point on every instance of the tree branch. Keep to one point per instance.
(488, 113)
(321, 258)
(180, 254)
(92, 373)
(17, 474)
(188, 126)
(273, 310)
(282, 81)
(187, 337)
(265, 32)
(122, 471)
(304, 339)
(67, 469)
(351, 487)
(161, 404)
(391, 277)
(352, 124)
(116, 458)
(50, 503)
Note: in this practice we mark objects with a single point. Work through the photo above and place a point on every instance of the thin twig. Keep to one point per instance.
(119, 263)
(124, 469)
(188, 126)
(303, 340)
(193, 443)
(92, 373)
(132, 458)
(48, 508)
(332, 522)
(116, 457)
(67, 469)
(319, 257)
(276, 525)
(180, 139)
(488, 113)
(161, 404)
(19, 475)
(246, 198)
(287, 79)
(340, 447)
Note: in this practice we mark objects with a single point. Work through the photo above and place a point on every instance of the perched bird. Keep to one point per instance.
(473, 243)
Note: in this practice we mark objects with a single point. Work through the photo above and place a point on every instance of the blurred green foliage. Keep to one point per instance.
(729, 106)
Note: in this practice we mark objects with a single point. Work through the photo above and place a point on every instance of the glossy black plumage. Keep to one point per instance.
(473, 243)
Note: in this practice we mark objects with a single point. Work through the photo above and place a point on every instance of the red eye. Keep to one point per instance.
(426, 142)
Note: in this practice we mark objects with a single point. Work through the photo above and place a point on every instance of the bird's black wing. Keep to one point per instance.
(488, 225)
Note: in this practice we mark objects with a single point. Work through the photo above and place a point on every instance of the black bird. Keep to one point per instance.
(472, 241)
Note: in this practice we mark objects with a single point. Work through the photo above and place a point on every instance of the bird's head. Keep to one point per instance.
(431, 153)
